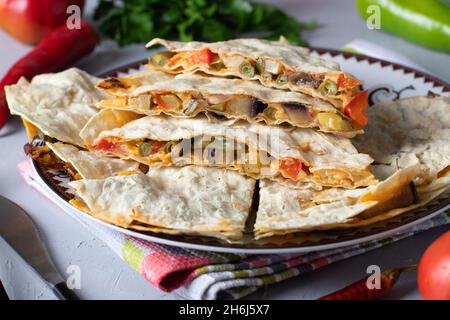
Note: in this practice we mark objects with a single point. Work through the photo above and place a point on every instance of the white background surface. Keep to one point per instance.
(106, 276)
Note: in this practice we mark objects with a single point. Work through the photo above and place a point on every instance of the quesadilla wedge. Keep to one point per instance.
(57, 105)
(89, 165)
(79, 163)
(409, 131)
(298, 157)
(407, 152)
(186, 95)
(285, 210)
(189, 200)
(275, 64)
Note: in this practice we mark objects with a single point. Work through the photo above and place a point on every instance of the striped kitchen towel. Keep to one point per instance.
(198, 274)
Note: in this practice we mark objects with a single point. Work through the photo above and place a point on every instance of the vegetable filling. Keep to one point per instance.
(205, 150)
(241, 107)
(334, 85)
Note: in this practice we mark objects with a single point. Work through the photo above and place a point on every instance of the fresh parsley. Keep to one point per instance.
(134, 21)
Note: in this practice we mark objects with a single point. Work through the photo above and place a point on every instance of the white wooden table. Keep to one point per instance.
(104, 275)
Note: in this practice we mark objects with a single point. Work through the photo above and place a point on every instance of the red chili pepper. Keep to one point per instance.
(31, 20)
(58, 50)
(360, 291)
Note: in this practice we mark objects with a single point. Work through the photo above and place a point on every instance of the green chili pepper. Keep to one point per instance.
(145, 148)
(160, 59)
(281, 79)
(424, 22)
(246, 69)
(270, 112)
(328, 88)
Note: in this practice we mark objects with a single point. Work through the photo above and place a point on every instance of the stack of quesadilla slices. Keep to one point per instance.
(179, 148)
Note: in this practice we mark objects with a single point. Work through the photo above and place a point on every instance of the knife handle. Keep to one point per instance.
(3, 294)
(63, 292)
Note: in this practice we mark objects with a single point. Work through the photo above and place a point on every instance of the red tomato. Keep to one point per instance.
(31, 20)
(347, 82)
(356, 109)
(291, 167)
(434, 270)
(105, 145)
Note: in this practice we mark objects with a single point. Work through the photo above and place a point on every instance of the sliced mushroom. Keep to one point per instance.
(302, 78)
(297, 113)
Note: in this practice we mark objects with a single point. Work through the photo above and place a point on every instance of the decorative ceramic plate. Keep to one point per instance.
(385, 81)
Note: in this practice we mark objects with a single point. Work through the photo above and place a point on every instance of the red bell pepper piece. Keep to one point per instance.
(347, 82)
(204, 56)
(291, 167)
(105, 146)
(156, 146)
(356, 109)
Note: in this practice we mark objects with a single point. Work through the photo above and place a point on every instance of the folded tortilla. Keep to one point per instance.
(285, 210)
(189, 200)
(409, 140)
(406, 132)
(90, 165)
(57, 105)
(275, 64)
(297, 157)
(186, 95)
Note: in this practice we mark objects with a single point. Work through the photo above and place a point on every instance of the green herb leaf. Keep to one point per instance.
(135, 21)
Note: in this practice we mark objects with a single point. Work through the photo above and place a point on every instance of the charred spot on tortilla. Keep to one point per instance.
(413, 188)
(113, 83)
(432, 94)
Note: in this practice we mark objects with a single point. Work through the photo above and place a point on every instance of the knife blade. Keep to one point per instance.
(20, 233)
